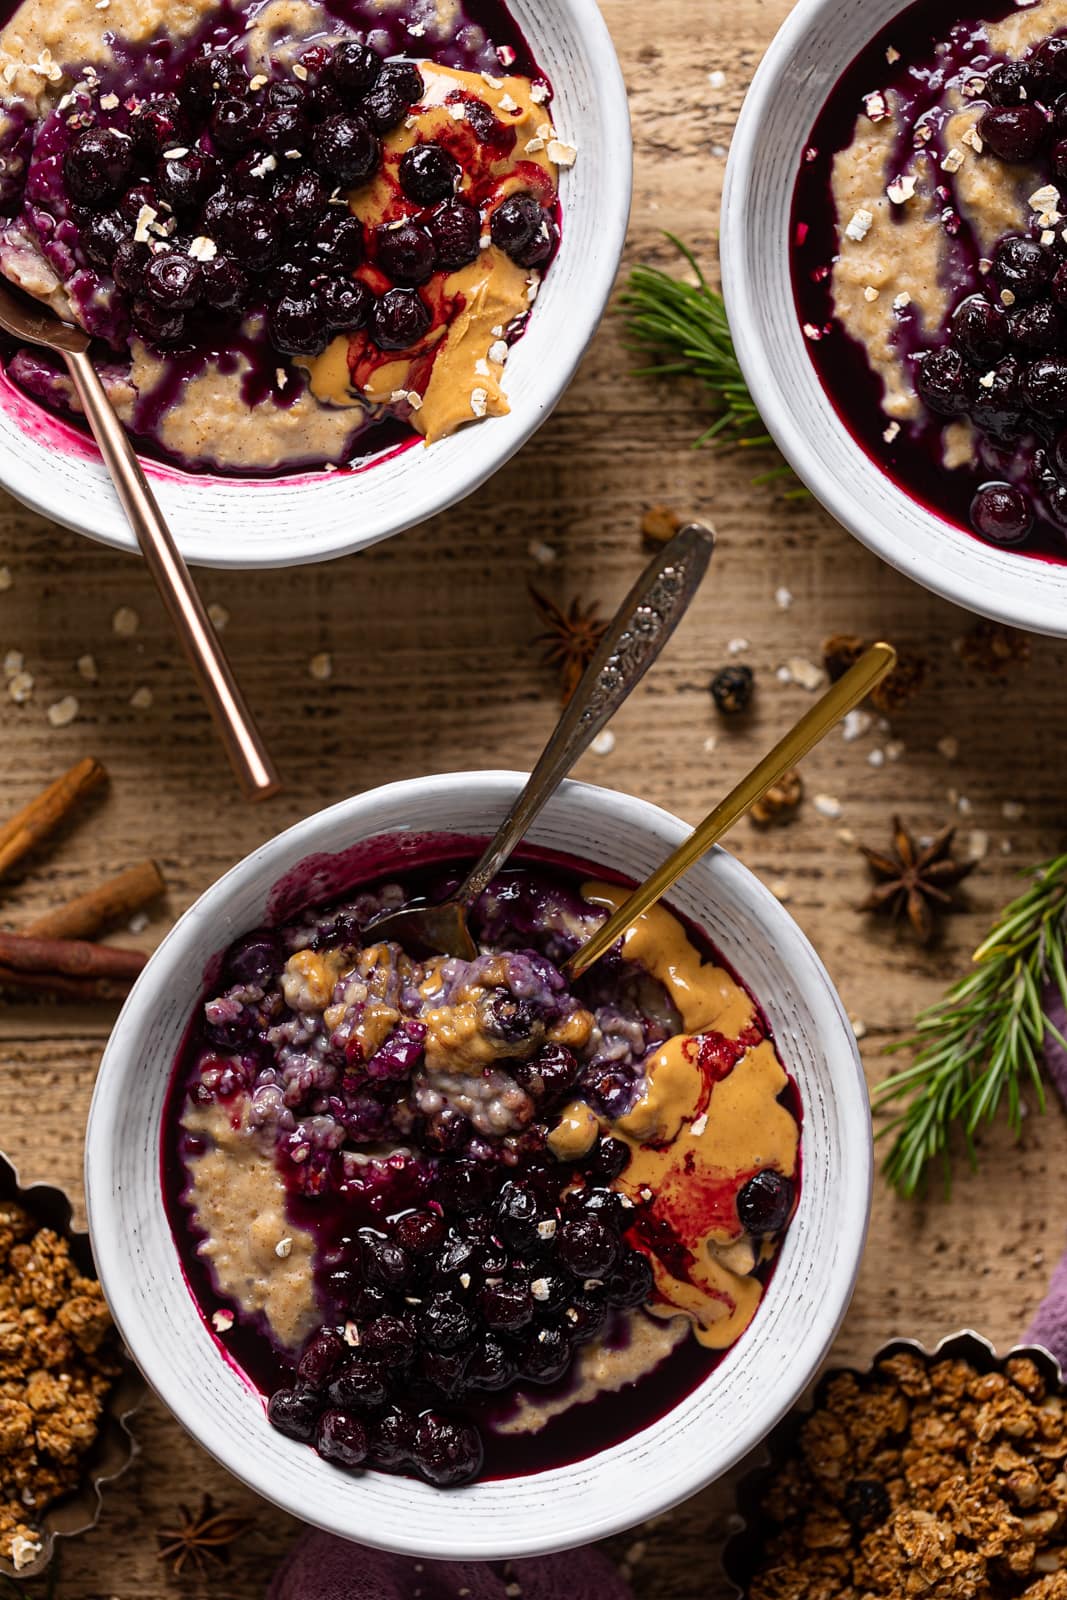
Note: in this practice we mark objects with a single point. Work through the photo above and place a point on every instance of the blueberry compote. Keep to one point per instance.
(293, 248)
(930, 263)
(458, 1218)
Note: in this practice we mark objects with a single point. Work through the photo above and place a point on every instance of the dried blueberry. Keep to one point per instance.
(173, 280)
(429, 173)
(944, 382)
(342, 1439)
(346, 148)
(731, 690)
(447, 1453)
(1001, 514)
(405, 252)
(294, 1412)
(1014, 133)
(588, 1247)
(866, 1503)
(400, 319)
(456, 231)
(765, 1203)
(354, 67)
(980, 330)
(346, 304)
(524, 230)
(97, 164)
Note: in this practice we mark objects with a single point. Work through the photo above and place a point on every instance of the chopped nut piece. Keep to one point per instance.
(63, 712)
(659, 525)
(994, 648)
(780, 802)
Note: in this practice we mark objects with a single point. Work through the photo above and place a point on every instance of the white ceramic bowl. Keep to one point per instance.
(818, 41)
(758, 1380)
(223, 522)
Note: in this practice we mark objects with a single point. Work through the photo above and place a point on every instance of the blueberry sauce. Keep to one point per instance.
(178, 197)
(997, 359)
(431, 1258)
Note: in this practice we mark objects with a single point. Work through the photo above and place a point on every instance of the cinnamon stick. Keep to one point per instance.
(61, 988)
(68, 958)
(30, 826)
(112, 901)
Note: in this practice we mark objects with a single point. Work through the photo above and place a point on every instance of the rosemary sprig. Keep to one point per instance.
(683, 327)
(981, 1044)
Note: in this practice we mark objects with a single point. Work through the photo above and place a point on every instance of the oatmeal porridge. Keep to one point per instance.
(300, 234)
(439, 1209)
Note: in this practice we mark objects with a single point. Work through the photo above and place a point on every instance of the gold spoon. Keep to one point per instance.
(248, 756)
(636, 635)
(827, 711)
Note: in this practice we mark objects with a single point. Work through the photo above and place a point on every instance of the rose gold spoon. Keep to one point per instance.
(248, 756)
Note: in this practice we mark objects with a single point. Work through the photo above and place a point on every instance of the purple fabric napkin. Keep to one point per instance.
(1049, 1326)
(323, 1568)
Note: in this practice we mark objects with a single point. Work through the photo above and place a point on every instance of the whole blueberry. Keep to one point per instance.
(159, 124)
(390, 1339)
(405, 252)
(550, 1074)
(97, 163)
(444, 1372)
(456, 231)
(186, 181)
(398, 87)
(338, 241)
(1001, 514)
(235, 123)
(358, 1384)
(254, 231)
(462, 1186)
(392, 1439)
(322, 100)
(342, 1439)
(128, 264)
(1022, 266)
(506, 1307)
(518, 1213)
(157, 323)
(322, 1354)
(585, 1316)
(354, 67)
(607, 1159)
(399, 320)
(345, 147)
(545, 1356)
(1014, 133)
(445, 1323)
(944, 382)
(346, 304)
(998, 407)
(211, 77)
(866, 1503)
(588, 1247)
(102, 235)
(223, 286)
(294, 1412)
(136, 198)
(1010, 84)
(446, 1452)
(172, 280)
(254, 174)
(429, 173)
(419, 1232)
(492, 1365)
(765, 1203)
(523, 229)
(630, 1283)
(301, 203)
(1044, 386)
(1037, 329)
(1050, 62)
(285, 128)
(980, 330)
(385, 1263)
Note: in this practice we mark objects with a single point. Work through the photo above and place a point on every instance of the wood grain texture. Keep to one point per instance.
(432, 671)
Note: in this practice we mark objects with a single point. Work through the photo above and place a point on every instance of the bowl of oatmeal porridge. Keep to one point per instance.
(338, 261)
(893, 237)
(395, 1235)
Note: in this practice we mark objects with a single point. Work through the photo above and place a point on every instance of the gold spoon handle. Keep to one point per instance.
(247, 753)
(840, 698)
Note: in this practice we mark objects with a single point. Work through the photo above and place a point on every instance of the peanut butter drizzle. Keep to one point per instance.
(491, 291)
(694, 1139)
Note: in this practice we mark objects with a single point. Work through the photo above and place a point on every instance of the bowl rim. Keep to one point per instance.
(98, 516)
(1037, 613)
(187, 937)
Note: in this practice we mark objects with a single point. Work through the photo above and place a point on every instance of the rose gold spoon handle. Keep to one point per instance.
(247, 753)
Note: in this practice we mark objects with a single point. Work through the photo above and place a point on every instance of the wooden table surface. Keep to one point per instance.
(433, 671)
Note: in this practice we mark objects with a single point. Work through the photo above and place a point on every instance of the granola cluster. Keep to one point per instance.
(934, 1481)
(58, 1359)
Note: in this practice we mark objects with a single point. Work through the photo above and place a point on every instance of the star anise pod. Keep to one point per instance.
(918, 881)
(201, 1540)
(570, 638)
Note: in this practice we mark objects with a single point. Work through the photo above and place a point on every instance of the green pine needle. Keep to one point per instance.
(682, 327)
(982, 1044)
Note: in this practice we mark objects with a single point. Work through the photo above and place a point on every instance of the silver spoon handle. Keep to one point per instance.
(641, 627)
(244, 746)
